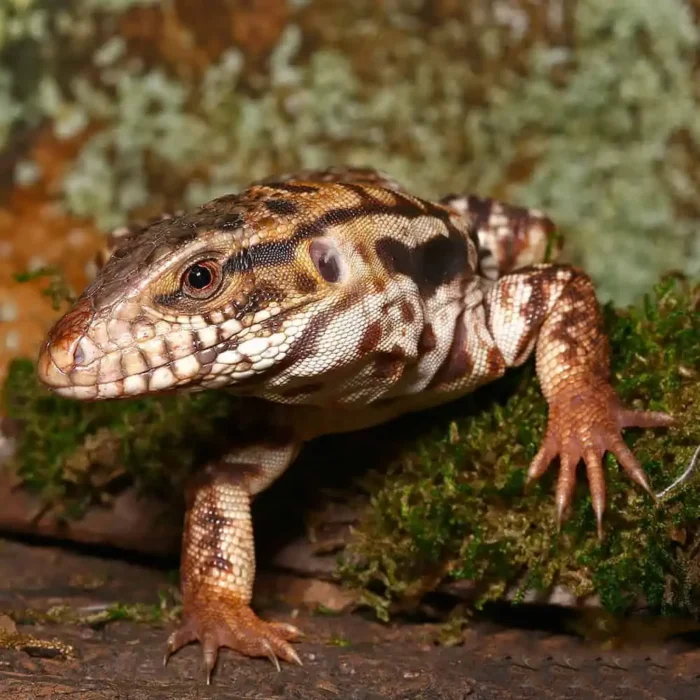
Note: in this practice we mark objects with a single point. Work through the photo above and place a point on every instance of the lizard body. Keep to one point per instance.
(342, 301)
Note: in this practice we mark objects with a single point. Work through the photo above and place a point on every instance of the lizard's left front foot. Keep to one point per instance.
(585, 422)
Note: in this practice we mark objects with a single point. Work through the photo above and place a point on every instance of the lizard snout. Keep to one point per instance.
(66, 349)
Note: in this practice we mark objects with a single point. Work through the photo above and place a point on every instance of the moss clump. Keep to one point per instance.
(453, 505)
(74, 454)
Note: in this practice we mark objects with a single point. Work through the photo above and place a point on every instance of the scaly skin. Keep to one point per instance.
(336, 300)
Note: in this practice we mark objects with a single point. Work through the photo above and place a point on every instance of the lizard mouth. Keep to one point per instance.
(74, 365)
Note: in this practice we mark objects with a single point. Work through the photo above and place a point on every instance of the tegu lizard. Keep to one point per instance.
(335, 300)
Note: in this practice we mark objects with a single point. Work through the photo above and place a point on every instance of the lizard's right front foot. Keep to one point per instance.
(220, 623)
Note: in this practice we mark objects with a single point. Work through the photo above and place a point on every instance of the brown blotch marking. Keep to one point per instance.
(379, 285)
(220, 473)
(582, 327)
(285, 207)
(258, 299)
(427, 340)
(430, 265)
(495, 364)
(74, 323)
(458, 363)
(303, 390)
(542, 282)
(308, 342)
(295, 187)
(390, 365)
(370, 338)
(220, 563)
(408, 313)
(230, 221)
(305, 283)
(207, 357)
(272, 253)
(363, 252)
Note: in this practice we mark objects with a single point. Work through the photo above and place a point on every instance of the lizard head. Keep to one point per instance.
(230, 294)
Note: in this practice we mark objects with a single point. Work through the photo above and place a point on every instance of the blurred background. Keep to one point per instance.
(112, 110)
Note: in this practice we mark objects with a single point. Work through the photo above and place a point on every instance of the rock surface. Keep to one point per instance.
(344, 656)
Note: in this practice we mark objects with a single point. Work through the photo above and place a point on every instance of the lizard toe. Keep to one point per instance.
(584, 424)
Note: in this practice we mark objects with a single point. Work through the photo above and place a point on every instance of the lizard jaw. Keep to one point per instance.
(87, 357)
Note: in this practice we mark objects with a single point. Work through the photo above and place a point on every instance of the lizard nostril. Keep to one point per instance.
(66, 346)
(79, 356)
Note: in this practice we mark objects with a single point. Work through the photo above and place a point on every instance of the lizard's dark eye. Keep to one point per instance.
(327, 259)
(202, 279)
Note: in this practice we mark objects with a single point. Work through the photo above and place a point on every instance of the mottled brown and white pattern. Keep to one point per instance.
(336, 300)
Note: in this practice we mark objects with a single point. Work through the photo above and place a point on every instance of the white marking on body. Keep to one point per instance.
(180, 344)
(218, 380)
(163, 327)
(263, 364)
(133, 362)
(229, 357)
(119, 332)
(100, 336)
(154, 350)
(79, 392)
(186, 368)
(143, 331)
(85, 376)
(111, 367)
(277, 339)
(89, 350)
(253, 347)
(208, 336)
(508, 322)
(230, 327)
(109, 391)
(135, 384)
(262, 316)
(162, 378)
(244, 374)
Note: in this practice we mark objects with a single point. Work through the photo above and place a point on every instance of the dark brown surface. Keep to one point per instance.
(129, 522)
(344, 657)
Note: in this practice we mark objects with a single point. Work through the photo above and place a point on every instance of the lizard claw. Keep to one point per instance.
(584, 424)
(271, 655)
(219, 624)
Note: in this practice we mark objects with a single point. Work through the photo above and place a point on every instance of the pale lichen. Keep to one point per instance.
(610, 144)
(586, 111)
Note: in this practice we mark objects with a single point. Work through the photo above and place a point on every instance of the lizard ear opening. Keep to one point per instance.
(327, 259)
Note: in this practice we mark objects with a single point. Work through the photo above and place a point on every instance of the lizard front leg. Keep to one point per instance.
(554, 308)
(218, 559)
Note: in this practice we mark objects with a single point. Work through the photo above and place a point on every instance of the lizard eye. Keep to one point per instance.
(327, 259)
(202, 279)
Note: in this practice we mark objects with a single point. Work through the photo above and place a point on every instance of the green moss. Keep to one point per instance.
(152, 614)
(453, 506)
(73, 454)
(341, 642)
